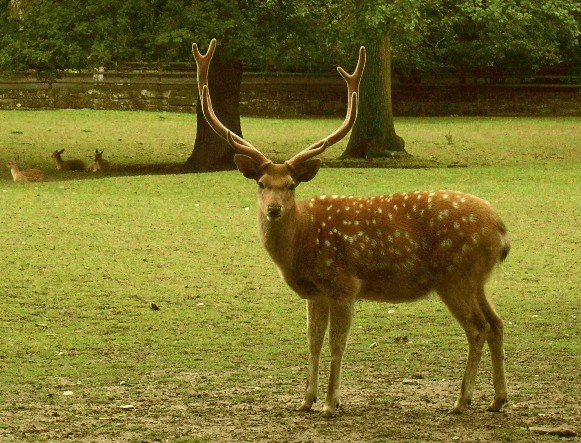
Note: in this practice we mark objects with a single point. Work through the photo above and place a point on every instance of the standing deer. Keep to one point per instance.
(334, 250)
(67, 165)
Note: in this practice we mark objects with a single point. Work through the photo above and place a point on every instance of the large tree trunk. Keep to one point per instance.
(211, 152)
(373, 134)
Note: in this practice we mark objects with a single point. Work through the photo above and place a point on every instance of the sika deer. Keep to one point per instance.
(28, 175)
(333, 250)
(67, 165)
(99, 163)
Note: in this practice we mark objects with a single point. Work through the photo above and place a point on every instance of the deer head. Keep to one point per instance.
(276, 182)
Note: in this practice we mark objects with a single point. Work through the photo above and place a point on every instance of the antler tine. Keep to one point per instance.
(234, 140)
(353, 81)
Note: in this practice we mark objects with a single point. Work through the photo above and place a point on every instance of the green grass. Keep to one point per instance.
(162, 138)
(84, 260)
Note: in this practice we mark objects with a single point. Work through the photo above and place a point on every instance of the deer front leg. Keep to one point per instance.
(317, 321)
(341, 311)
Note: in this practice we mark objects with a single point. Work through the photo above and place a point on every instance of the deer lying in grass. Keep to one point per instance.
(27, 175)
(333, 250)
(99, 163)
(67, 165)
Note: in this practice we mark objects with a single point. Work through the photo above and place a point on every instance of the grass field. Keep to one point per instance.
(85, 358)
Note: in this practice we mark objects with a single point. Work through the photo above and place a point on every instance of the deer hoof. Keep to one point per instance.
(328, 413)
(496, 405)
(458, 408)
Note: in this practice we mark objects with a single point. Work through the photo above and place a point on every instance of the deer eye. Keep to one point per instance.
(292, 187)
(261, 185)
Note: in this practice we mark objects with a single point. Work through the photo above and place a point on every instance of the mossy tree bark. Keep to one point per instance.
(210, 151)
(373, 134)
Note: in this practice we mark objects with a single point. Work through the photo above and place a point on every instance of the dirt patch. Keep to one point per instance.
(374, 411)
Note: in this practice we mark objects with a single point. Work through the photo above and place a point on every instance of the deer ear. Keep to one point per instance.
(307, 170)
(247, 166)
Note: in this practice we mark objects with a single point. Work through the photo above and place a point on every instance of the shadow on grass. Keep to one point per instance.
(128, 170)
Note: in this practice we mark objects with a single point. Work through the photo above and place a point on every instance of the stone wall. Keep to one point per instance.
(285, 95)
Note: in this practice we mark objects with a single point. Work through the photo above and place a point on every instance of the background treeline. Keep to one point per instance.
(494, 39)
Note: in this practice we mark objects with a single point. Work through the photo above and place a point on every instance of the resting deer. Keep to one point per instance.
(27, 175)
(99, 163)
(333, 250)
(67, 165)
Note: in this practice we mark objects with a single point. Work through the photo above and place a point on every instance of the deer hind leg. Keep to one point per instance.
(495, 344)
(341, 310)
(317, 322)
(463, 304)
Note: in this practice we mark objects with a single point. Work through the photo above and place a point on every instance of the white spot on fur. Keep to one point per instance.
(446, 243)
(475, 238)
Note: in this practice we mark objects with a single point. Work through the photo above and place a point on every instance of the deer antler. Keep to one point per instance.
(234, 140)
(353, 81)
(244, 147)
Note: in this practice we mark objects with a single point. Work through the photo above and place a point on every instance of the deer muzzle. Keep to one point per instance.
(274, 211)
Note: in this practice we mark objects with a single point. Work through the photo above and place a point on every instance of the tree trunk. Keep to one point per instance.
(373, 134)
(210, 151)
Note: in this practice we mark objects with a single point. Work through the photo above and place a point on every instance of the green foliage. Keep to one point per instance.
(50, 36)
(514, 36)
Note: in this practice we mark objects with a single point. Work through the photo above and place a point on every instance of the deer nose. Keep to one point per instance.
(274, 211)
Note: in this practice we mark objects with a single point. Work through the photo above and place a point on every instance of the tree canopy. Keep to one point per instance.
(514, 36)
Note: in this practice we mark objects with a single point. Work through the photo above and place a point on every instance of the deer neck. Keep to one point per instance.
(282, 237)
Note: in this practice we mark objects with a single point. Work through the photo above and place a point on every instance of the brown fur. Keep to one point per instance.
(334, 250)
(28, 175)
(67, 165)
(99, 164)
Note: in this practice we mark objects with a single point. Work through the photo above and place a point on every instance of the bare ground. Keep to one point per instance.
(405, 410)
